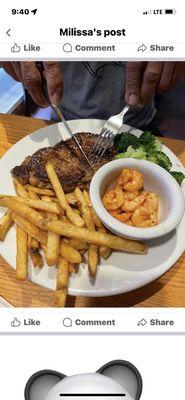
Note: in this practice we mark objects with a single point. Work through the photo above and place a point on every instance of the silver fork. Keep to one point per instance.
(108, 132)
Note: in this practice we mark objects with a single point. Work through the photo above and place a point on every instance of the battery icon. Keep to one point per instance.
(170, 11)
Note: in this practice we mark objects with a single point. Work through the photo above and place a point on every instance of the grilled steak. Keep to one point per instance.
(71, 167)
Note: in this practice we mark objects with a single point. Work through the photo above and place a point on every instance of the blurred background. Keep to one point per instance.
(170, 105)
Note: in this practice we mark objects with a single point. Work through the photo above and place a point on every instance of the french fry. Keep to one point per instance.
(76, 211)
(93, 258)
(29, 228)
(19, 188)
(53, 240)
(104, 252)
(100, 239)
(5, 224)
(87, 216)
(80, 197)
(50, 200)
(96, 220)
(85, 210)
(22, 254)
(52, 252)
(21, 209)
(43, 213)
(33, 195)
(45, 192)
(22, 192)
(36, 256)
(71, 199)
(52, 249)
(73, 268)
(33, 245)
(62, 282)
(43, 247)
(47, 198)
(87, 198)
(55, 199)
(65, 227)
(34, 251)
(69, 253)
(40, 205)
(77, 244)
(73, 217)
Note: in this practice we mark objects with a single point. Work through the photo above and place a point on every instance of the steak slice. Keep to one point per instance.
(71, 167)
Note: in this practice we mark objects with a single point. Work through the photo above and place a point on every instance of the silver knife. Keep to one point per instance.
(57, 110)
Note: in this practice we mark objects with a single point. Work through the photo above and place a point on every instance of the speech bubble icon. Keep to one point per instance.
(67, 47)
(67, 322)
(142, 322)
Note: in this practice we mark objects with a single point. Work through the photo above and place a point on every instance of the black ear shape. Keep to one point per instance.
(40, 384)
(126, 374)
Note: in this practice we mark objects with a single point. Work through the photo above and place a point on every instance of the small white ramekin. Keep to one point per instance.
(171, 198)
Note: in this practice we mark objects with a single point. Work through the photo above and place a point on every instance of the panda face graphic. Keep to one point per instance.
(88, 387)
(117, 380)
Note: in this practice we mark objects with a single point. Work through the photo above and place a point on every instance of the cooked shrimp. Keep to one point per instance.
(152, 200)
(144, 217)
(121, 216)
(130, 180)
(113, 199)
(131, 195)
(132, 200)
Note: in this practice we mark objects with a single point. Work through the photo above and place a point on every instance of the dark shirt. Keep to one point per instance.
(96, 90)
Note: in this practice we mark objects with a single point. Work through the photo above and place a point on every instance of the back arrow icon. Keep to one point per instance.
(8, 32)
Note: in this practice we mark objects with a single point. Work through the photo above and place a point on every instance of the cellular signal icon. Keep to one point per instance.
(147, 12)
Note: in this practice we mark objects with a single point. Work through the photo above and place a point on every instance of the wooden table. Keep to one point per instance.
(167, 291)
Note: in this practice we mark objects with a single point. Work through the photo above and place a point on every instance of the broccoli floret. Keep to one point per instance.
(147, 147)
(150, 142)
(179, 176)
(160, 158)
(123, 140)
(133, 153)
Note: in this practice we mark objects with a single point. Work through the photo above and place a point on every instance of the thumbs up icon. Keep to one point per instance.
(15, 323)
(15, 48)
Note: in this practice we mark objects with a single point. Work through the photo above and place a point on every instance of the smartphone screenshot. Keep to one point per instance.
(92, 200)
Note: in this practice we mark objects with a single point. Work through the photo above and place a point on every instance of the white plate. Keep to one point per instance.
(121, 272)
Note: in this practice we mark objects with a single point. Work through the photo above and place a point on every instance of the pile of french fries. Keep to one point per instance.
(61, 227)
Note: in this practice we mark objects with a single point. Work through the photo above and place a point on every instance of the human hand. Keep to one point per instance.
(28, 73)
(144, 79)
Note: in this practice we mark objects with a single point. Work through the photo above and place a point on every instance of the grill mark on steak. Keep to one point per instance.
(71, 167)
